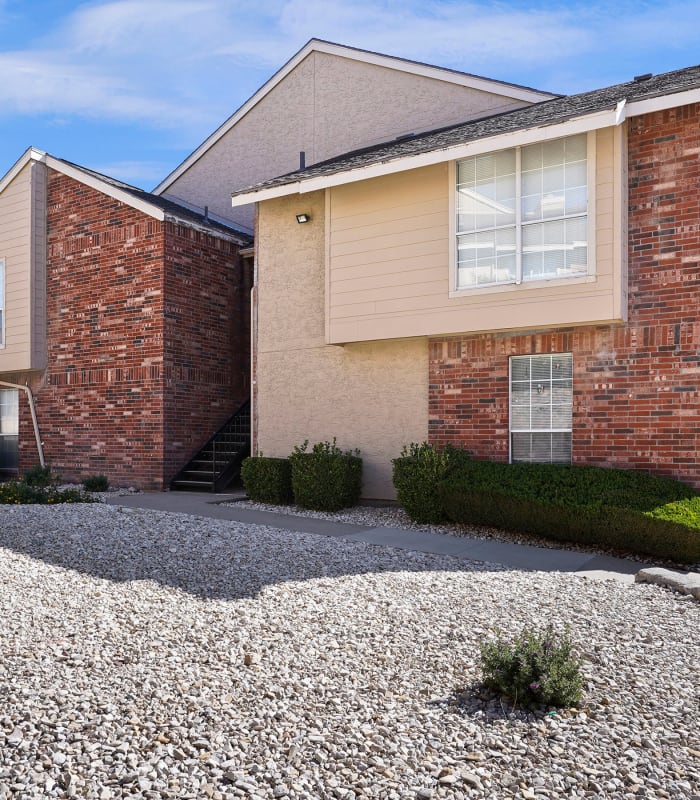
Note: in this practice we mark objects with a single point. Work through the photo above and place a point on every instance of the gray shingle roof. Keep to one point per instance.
(172, 209)
(547, 112)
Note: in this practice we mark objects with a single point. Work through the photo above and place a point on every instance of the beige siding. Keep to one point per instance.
(16, 247)
(372, 396)
(389, 248)
(326, 106)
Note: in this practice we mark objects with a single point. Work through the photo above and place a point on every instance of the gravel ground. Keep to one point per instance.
(158, 655)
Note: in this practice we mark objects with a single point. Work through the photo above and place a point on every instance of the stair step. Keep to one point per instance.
(218, 462)
(221, 452)
(192, 486)
(197, 475)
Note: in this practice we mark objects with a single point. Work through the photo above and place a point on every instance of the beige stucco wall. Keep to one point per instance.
(326, 106)
(372, 396)
(22, 246)
(390, 246)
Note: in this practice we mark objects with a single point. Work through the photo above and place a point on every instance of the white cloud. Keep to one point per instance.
(43, 83)
(468, 33)
(186, 64)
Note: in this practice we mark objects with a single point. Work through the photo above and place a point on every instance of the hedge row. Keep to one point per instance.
(625, 509)
(324, 478)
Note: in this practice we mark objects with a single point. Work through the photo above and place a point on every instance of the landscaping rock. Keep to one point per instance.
(125, 638)
(688, 583)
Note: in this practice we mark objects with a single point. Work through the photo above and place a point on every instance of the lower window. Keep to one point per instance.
(9, 426)
(541, 403)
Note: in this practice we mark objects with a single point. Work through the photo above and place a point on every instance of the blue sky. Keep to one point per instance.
(131, 87)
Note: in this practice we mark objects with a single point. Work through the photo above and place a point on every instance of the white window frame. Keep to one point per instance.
(520, 285)
(3, 303)
(10, 436)
(530, 429)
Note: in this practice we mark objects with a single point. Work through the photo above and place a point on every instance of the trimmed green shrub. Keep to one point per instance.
(539, 668)
(39, 476)
(95, 483)
(325, 479)
(267, 480)
(575, 485)
(625, 509)
(417, 474)
(20, 493)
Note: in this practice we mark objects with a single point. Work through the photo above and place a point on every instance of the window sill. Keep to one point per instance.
(521, 287)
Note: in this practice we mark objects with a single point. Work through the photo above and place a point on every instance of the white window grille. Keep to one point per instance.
(522, 214)
(541, 405)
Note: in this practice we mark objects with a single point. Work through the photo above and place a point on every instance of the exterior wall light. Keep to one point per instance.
(302, 218)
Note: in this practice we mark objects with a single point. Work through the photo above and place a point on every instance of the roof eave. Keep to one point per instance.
(500, 141)
(30, 154)
(608, 117)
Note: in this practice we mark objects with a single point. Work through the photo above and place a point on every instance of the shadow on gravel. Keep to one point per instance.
(488, 706)
(213, 559)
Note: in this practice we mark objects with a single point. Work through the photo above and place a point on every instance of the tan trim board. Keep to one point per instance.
(3, 303)
(327, 265)
(592, 205)
(620, 242)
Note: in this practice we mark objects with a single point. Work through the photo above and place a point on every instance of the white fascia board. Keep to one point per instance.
(105, 188)
(437, 73)
(30, 154)
(636, 108)
(449, 76)
(503, 141)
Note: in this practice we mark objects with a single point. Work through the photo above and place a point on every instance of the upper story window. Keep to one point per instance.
(2, 302)
(522, 214)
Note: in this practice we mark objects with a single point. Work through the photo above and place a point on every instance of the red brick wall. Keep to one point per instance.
(636, 394)
(207, 344)
(100, 400)
(146, 356)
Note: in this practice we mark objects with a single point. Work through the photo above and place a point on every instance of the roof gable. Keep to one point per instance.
(154, 206)
(508, 90)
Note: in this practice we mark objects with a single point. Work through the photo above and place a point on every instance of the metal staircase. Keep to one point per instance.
(218, 463)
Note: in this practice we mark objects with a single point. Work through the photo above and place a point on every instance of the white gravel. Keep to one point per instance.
(158, 655)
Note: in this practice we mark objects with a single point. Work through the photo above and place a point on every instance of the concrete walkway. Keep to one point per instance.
(517, 556)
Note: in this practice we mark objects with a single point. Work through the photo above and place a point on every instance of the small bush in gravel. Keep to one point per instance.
(39, 476)
(416, 476)
(325, 479)
(538, 669)
(267, 480)
(20, 493)
(96, 483)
